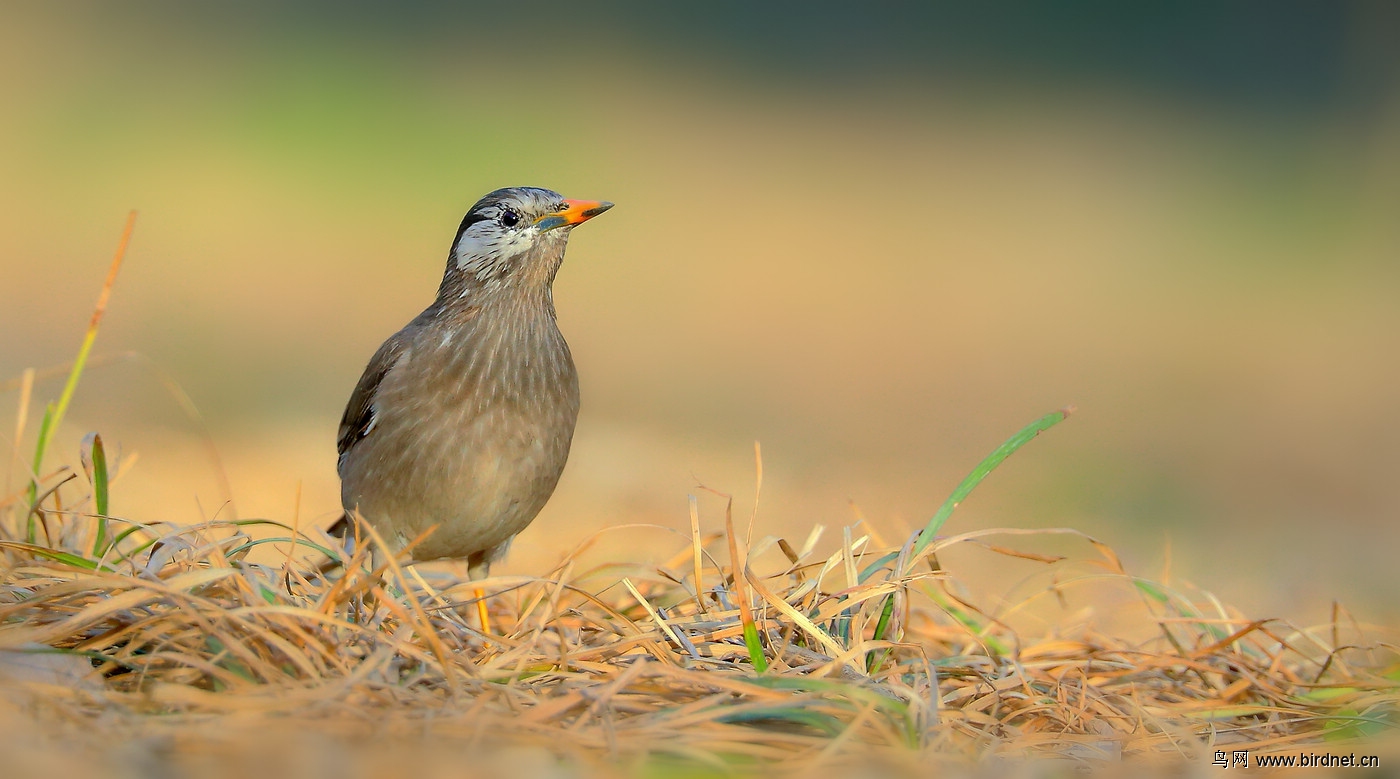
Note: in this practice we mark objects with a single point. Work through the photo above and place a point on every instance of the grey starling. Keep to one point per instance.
(463, 418)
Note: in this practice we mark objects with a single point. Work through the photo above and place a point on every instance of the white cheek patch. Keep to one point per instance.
(489, 253)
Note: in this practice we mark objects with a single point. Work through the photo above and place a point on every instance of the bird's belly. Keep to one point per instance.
(480, 477)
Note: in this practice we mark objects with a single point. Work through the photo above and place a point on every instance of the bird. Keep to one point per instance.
(463, 419)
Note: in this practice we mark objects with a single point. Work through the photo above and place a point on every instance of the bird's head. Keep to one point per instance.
(515, 237)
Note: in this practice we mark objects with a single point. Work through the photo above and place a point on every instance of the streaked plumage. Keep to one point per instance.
(463, 419)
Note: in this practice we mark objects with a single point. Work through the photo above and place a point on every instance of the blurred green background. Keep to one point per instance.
(876, 239)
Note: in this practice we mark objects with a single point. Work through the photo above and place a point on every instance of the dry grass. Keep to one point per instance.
(174, 643)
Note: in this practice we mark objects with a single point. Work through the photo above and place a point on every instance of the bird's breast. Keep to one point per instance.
(473, 430)
(522, 363)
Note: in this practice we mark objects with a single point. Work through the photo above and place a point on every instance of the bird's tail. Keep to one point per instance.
(344, 529)
(341, 527)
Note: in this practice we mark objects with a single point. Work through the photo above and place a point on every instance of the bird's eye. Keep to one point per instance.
(509, 218)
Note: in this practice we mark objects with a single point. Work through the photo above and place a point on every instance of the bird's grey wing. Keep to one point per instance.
(359, 418)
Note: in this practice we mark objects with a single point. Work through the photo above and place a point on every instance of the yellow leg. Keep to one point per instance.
(481, 612)
(478, 568)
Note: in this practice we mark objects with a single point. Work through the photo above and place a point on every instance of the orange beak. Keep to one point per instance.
(577, 212)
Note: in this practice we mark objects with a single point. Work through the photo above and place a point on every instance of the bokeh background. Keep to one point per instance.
(876, 239)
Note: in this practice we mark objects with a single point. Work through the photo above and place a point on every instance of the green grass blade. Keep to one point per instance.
(785, 715)
(756, 656)
(53, 554)
(741, 592)
(968, 484)
(125, 534)
(1151, 590)
(243, 548)
(1180, 605)
(94, 459)
(969, 621)
(874, 659)
(31, 533)
(873, 568)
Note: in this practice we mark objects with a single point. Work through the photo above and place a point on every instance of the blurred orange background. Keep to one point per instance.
(878, 243)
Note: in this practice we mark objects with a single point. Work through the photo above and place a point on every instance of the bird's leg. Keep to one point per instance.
(478, 569)
(481, 611)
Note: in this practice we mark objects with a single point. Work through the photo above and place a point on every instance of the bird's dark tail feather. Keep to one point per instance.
(341, 527)
(344, 529)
